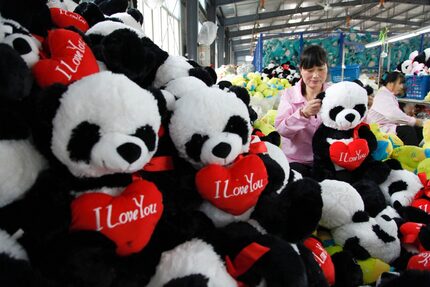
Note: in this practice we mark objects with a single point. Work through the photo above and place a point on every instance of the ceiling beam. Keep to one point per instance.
(241, 53)
(387, 20)
(261, 16)
(282, 26)
(226, 2)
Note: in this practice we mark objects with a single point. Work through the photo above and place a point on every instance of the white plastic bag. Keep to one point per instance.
(207, 33)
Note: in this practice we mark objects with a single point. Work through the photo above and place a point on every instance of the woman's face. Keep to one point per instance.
(315, 76)
(398, 87)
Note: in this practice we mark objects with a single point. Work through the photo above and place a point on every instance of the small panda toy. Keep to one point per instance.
(343, 144)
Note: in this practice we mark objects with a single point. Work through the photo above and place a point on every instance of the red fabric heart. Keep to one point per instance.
(420, 261)
(322, 257)
(71, 59)
(349, 156)
(128, 219)
(236, 188)
(423, 204)
(63, 18)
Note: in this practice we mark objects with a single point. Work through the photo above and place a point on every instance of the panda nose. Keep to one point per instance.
(350, 117)
(129, 151)
(222, 150)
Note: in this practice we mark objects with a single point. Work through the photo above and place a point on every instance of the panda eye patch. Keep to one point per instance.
(21, 46)
(194, 146)
(237, 125)
(335, 111)
(361, 108)
(147, 135)
(84, 137)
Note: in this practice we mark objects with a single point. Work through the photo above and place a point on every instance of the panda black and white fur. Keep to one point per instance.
(96, 132)
(19, 38)
(146, 64)
(343, 213)
(344, 107)
(212, 126)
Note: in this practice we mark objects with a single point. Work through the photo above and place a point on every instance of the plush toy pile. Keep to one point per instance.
(122, 165)
(416, 64)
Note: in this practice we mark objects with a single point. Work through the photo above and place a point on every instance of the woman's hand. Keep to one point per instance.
(311, 108)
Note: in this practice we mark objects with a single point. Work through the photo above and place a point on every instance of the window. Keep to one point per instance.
(162, 25)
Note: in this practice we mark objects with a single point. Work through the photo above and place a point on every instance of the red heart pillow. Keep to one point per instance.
(349, 156)
(63, 18)
(128, 219)
(420, 261)
(422, 203)
(322, 257)
(236, 188)
(71, 59)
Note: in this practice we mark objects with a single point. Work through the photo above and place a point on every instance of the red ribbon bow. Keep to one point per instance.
(247, 257)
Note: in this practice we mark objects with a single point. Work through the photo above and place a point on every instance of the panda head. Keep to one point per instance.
(344, 105)
(21, 40)
(209, 125)
(101, 124)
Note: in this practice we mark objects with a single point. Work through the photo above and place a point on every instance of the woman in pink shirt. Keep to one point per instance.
(386, 112)
(298, 118)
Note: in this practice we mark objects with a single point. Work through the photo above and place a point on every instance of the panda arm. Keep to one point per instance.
(323, 167)
(275, 174)
(47, 207)
(364, 132)
(353, 244)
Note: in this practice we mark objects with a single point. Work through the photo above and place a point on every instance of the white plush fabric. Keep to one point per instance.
(174, 67)
(9, 246)
(192, 257)
(104, 28)
(128, 20)
(21, 164)
(340, 202)
(119, 107)
(221, 218)
(405, 196)
(278, 155)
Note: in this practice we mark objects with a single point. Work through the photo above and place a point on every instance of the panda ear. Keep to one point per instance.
(241, 93)
(136, 14)
(224, 85)
(91, 13)
(321, 96)
(393, 164)
(212, 74)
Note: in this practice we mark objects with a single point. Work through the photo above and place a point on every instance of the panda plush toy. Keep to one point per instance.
(20, 165)
(87, 217)
(146, 64)
(343, 144)
(238, 178)
(351, 226)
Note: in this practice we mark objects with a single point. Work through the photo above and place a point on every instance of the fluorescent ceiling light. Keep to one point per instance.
(249, 58)
(400, 37)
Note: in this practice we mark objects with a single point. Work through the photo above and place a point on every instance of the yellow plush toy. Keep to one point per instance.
(410, 156)
(386, 143)
(424, 166)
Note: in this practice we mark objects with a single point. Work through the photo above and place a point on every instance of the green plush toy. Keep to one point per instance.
(410, 156)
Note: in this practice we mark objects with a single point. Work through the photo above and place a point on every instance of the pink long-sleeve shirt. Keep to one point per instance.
(386, 112)
(296, 130)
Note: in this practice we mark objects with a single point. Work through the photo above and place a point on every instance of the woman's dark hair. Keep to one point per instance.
(313, 56)
(392, 77)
